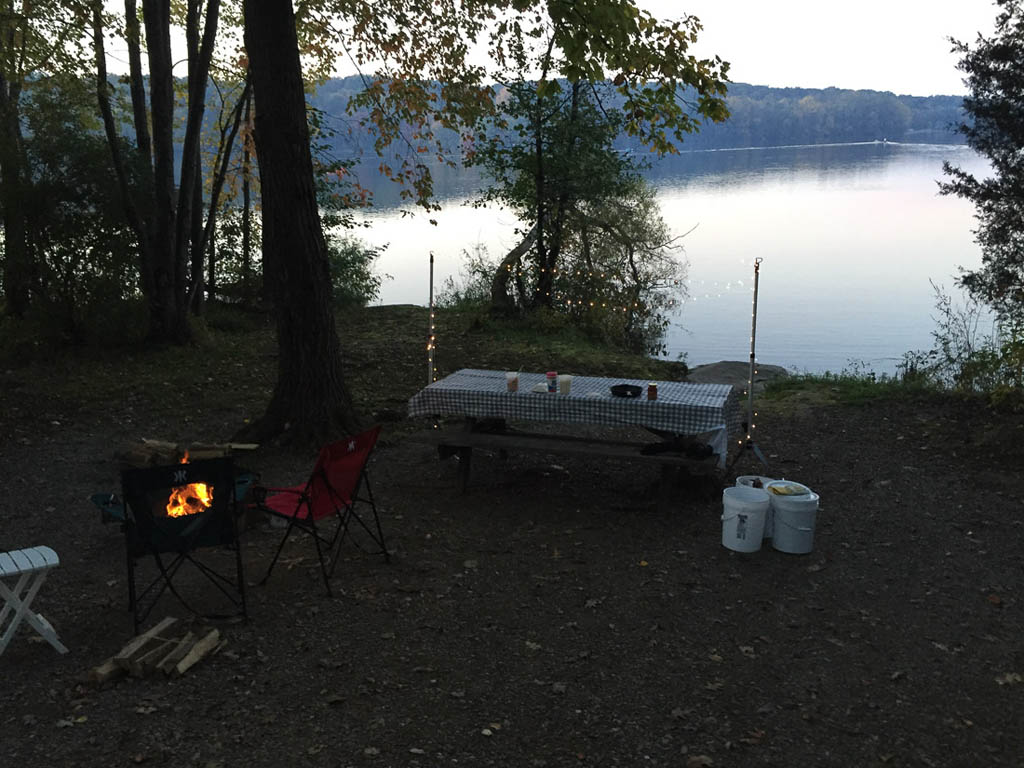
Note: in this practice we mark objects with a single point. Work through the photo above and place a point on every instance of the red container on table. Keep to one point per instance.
(552, 381)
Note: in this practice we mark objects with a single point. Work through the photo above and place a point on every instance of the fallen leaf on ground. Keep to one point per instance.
(754, 737)
(1009, 678)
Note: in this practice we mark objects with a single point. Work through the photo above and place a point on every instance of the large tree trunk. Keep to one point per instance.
(18, 266)
(502, 301)
(168, 319)
(310, 401)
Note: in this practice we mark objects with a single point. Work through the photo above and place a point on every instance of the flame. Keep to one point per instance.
(189, 499)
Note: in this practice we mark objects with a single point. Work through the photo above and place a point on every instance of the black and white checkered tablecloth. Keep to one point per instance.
(681, 408)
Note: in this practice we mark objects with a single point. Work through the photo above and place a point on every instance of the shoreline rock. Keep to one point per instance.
(736, 372)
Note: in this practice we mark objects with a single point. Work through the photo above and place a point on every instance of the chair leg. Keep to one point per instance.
(376, 519)
(12, 602)
(320, 556)
(287, 533)
(132, 597)
(240, 576)
(22, 608)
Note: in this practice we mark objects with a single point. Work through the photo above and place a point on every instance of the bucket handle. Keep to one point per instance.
(734, 515)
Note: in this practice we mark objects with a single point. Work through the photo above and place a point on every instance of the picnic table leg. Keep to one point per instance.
(666, 487)
(465, 459)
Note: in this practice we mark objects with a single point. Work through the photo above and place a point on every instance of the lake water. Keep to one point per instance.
(850, 236)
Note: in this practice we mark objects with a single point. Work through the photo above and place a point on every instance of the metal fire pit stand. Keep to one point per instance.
(149, 532)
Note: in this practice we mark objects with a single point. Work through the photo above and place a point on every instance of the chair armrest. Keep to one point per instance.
(259, 493)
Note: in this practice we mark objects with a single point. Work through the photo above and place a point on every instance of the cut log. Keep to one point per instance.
(176, 654)
(161, 446)
(108, 670)
(144, 642)
(199, 651)
(144, 664)
(200, 454)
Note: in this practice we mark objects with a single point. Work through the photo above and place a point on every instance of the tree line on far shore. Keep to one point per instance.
(759, 116)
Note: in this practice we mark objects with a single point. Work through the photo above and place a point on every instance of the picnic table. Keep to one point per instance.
(683, 416)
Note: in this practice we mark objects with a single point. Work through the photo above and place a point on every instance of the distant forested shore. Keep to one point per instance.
(760, 117)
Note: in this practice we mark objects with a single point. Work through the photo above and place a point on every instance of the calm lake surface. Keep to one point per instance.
(850, 236)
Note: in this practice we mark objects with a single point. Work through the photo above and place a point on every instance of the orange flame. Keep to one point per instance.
(189, 499)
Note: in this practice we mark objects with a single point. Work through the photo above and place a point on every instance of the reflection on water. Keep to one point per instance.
(849, 234)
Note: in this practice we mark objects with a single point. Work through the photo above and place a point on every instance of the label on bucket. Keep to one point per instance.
(741, 526)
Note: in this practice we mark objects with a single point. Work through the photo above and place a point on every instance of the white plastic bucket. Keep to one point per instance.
(769, 518)
(795, 517)
(743, 514)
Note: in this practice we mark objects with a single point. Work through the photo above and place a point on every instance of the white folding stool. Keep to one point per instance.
(31, 567)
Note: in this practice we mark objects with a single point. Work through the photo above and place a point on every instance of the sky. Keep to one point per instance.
(886, 45)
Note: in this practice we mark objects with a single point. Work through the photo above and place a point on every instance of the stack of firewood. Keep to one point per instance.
(156, 453)
(163, 648)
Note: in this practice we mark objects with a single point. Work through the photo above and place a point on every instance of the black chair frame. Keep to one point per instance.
(180, 538)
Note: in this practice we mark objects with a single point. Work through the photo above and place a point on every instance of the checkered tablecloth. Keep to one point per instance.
(681, 408)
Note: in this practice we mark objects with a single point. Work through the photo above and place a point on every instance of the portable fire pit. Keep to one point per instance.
(172, 512)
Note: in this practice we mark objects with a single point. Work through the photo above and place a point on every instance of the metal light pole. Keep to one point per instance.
(753, 339)
(430, 329)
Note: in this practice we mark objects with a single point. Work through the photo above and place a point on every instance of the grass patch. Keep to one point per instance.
(541, 342)
(849, 388)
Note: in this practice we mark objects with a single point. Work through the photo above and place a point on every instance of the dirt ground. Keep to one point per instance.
(553, 615)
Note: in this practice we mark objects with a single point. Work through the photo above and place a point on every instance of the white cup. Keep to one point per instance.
(564, 383)
(512, 381)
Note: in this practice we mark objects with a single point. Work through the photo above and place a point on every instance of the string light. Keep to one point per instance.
(431, 330)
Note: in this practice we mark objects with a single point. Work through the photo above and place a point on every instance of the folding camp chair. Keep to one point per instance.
(30, 567)
(158, 524)
(333, 490)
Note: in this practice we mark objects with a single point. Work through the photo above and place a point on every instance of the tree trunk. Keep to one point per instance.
(542, 295)
(17, 261)
(168, 319)
(310, 401)
(502, 301)
(247, 281)
(553, 251)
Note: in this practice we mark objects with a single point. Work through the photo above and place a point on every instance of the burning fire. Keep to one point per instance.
(189, 499)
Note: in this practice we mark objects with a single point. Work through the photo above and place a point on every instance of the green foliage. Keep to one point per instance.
(238, 281)
(851, 386)
(621, 269)
(994, 70)
(83, 254)
(968, 358)
(426, 87)
(354, 282)
(541, 341)
(603, 255)
(472, 291)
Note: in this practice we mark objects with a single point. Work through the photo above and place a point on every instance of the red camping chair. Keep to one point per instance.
(333, 490)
